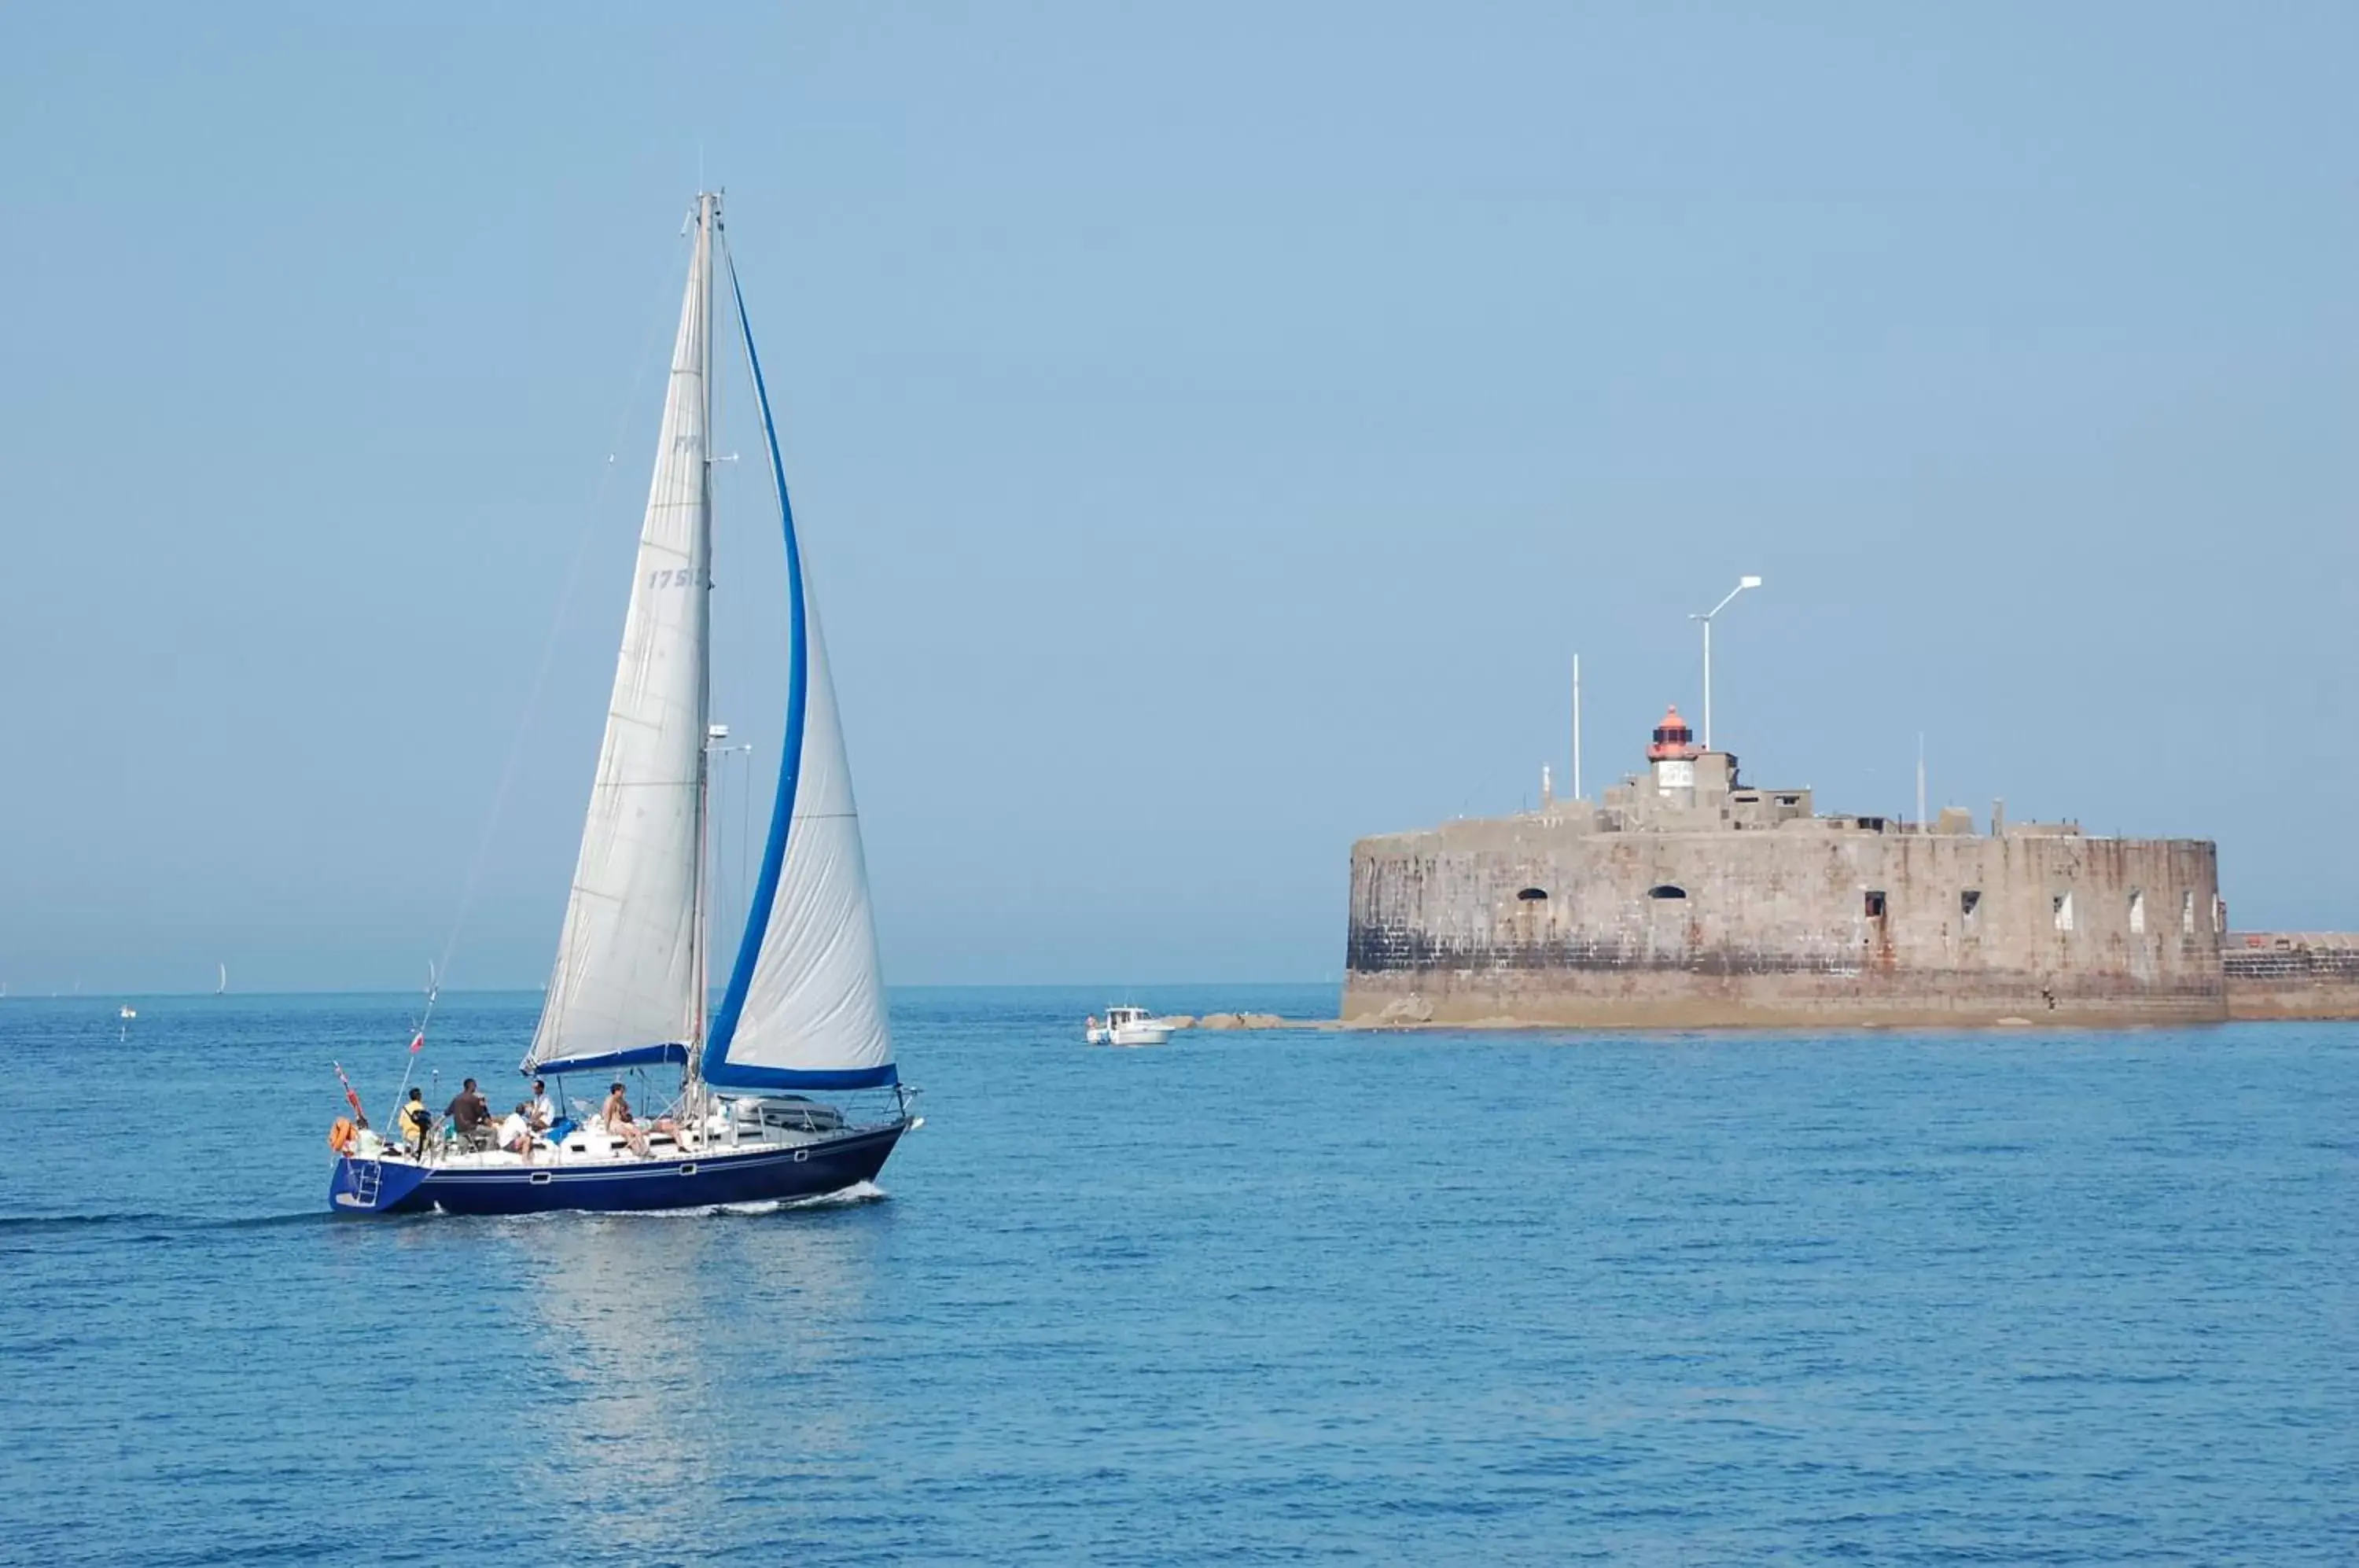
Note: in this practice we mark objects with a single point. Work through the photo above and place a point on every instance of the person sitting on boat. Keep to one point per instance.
(542, 1110)
(414, 1119)
(472, 1115)
(619, 1123)
(517, 1135)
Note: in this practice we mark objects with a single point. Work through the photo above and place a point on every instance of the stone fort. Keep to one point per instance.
(1686, 897)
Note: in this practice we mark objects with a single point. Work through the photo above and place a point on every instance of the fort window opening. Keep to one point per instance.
(2138, 909)
(1876, 903)
(1790, 799)
(2186, 914)
(2063, 904)
(1970, 903)
(1532, 894)
(1667, 890)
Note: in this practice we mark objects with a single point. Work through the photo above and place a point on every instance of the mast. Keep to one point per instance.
(708, 218)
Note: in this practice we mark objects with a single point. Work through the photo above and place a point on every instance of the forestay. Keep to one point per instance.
(627, 973)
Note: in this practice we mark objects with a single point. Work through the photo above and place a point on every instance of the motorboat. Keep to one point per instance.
(1127, 1026)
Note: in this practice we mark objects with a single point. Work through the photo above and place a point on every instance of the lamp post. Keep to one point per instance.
(1742, 584)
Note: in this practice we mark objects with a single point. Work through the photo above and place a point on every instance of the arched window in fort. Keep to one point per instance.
(2137, 910)
(1532, 894)
(1970, 903)
(1667, 890)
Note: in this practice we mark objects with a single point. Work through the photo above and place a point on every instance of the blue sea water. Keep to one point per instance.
(2016, 1297)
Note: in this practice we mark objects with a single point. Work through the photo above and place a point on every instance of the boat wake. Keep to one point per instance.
(852, 1197)
(843, 1198)
(14, 1223)
(38, 1224)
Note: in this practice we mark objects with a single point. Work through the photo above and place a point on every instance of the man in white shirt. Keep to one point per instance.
(543, 1111)
(517, 1134)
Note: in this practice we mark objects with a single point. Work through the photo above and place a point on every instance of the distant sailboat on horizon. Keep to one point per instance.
(222, 988)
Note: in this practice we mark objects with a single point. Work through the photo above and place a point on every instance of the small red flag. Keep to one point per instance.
(417, 1041)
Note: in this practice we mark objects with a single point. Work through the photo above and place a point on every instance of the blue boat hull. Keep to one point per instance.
(389, 1187)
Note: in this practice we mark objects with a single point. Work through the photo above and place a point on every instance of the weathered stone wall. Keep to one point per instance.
(2291, 974)
(1539, 919)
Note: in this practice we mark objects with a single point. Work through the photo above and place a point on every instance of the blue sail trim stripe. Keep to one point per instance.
(810, 1078)
(716, 1069)
(601, 1060)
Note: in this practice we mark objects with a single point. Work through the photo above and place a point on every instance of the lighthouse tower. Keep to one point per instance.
(1672, 756)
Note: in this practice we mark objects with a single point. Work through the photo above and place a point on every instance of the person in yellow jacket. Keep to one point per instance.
(414, 1119)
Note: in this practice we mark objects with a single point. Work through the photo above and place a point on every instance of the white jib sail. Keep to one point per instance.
(626, 970)
(816, 1002)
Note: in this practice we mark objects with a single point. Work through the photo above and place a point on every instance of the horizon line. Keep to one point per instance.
(117, 996)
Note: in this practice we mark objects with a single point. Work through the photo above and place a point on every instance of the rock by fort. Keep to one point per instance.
(1687, 898)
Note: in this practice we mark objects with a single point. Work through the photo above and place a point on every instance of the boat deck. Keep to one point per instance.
(592, 1145)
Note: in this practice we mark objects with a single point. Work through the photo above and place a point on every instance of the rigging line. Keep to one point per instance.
(591, 518)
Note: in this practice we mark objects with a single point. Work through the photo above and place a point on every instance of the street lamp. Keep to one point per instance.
(1742, 584)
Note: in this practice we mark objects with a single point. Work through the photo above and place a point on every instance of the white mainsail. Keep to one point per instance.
(629, 969)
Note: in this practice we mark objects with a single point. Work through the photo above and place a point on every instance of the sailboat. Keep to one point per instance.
(803, 1011)
(222, 988)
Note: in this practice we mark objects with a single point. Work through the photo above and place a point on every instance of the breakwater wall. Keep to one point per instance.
(2291, 974)
(1543, 917)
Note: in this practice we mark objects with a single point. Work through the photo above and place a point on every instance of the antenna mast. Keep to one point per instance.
(1921, 781)
(1576, 727)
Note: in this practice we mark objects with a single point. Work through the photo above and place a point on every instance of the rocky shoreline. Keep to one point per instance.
(1237, 1021)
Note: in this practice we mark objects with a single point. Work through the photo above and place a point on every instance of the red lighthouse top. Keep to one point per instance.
(1673, 739)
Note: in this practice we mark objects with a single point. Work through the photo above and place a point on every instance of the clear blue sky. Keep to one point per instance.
(1214, 426)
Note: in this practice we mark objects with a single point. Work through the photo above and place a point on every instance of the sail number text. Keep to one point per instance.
(670, 577)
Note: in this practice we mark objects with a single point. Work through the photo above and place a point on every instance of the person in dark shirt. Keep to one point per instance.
(472, 1115)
